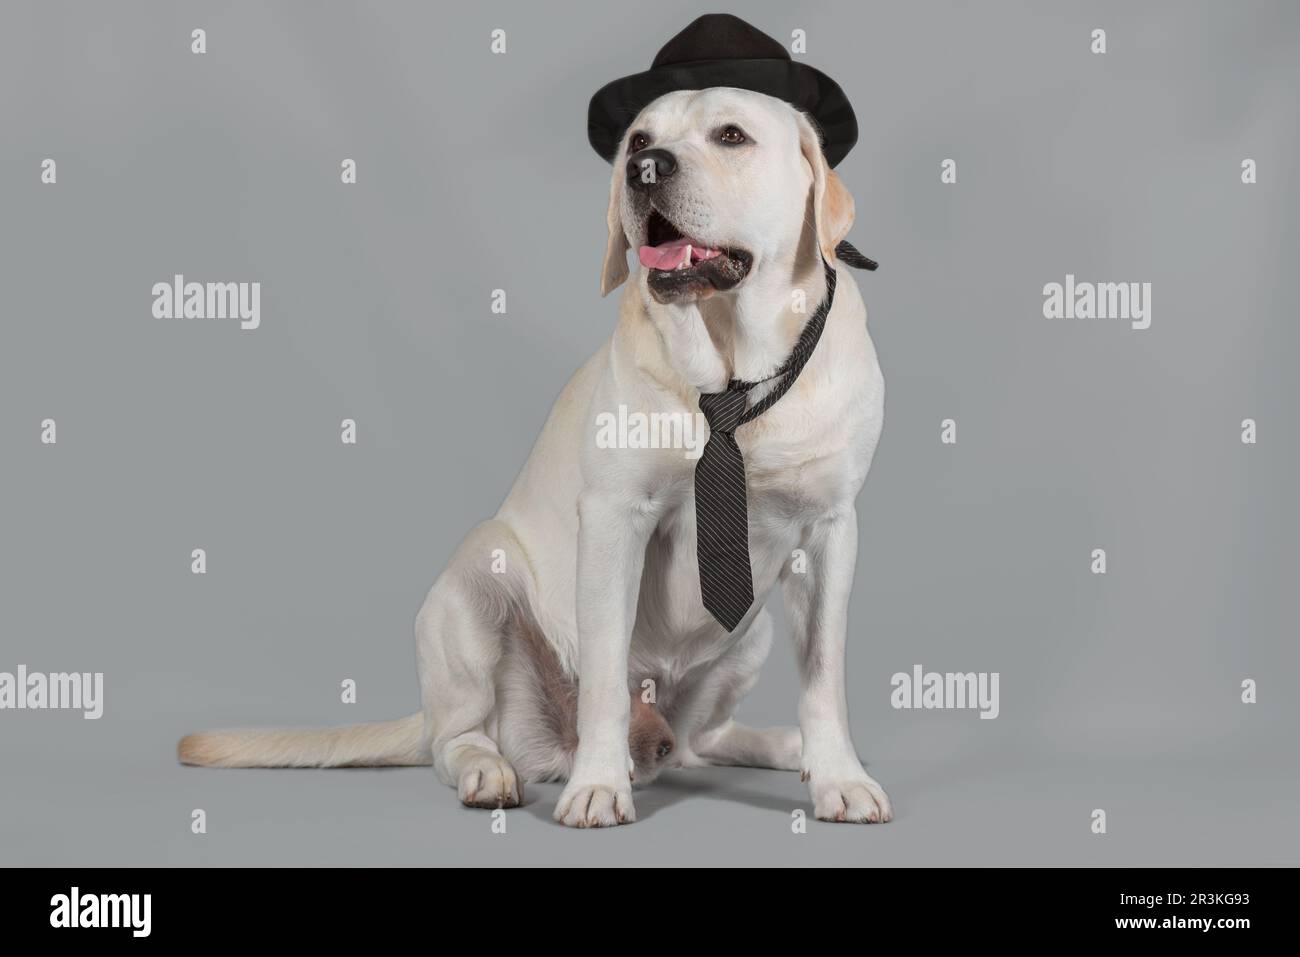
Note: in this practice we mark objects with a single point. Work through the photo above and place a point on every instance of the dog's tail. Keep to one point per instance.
(380, 744)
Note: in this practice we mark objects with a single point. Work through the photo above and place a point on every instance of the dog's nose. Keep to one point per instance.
(646, 168)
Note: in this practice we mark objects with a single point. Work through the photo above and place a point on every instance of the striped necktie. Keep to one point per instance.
(721, 513)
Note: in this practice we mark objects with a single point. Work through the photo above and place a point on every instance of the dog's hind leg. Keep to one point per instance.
(721, 740)
(460, 635)
(733, 744)
(483, 777)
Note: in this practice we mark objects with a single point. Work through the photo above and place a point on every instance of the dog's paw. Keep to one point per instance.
(853, 798)
(595, 805)
(488, 780)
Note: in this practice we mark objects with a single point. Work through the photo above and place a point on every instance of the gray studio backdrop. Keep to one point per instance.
(1119, 692)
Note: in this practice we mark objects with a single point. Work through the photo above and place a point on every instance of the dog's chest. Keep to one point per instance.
(805, 459)
(784, 499)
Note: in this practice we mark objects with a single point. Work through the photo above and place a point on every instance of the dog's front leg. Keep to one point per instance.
(817, 601)
(612, 539)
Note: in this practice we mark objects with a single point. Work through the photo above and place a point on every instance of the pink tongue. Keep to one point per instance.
(674, 254)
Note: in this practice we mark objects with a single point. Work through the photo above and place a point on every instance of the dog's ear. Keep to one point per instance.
(616, 246)
(832, 202)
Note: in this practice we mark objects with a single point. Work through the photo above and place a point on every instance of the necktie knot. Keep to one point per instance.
(723, 410)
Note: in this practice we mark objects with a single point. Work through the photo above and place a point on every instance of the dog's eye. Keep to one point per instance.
(637, 143)
(732, 135)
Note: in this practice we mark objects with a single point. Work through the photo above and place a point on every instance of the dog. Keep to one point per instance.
(566, 639)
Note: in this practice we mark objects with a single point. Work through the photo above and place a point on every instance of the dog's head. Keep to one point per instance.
(711, 186)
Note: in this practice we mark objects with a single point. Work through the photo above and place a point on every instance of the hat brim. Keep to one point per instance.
(616, 104)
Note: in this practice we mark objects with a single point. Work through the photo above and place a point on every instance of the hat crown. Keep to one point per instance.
(719, 36)
(721, 50)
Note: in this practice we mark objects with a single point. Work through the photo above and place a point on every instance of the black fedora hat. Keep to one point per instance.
(719, 49)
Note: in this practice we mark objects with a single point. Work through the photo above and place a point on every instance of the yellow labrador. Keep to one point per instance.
(567, 639)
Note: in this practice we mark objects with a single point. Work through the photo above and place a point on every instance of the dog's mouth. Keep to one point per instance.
(679, 267)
